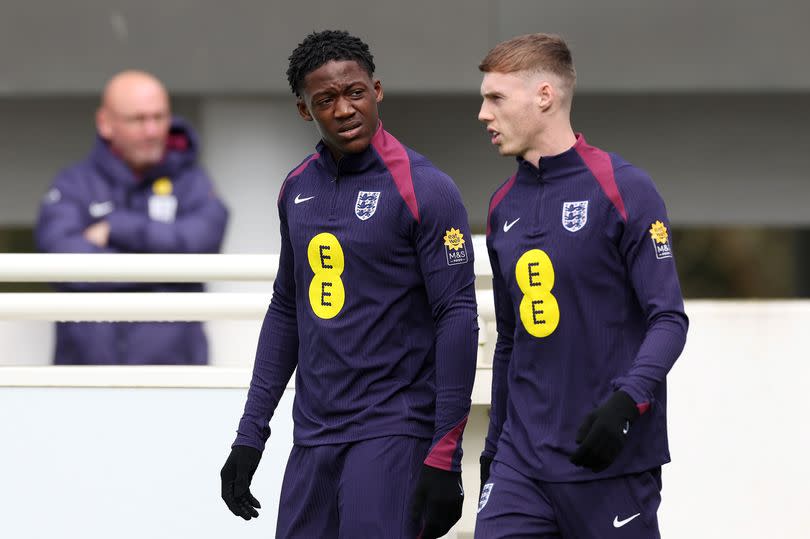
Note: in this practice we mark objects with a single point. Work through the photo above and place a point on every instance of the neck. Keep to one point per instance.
(336, 155)
(553, 140)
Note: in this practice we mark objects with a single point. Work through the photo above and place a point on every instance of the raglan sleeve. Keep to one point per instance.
(646, 247)
(445, 255)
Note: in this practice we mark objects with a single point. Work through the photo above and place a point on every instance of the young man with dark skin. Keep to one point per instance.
(374, 305)
(589, 316)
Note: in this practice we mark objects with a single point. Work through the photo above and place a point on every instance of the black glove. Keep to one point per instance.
(236, 476)
(486, 462)
(437, 501)
(604, 432)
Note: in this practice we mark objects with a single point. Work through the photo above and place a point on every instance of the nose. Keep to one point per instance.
(153, 126)
(150, 127)
(484, 115)
(344, 108)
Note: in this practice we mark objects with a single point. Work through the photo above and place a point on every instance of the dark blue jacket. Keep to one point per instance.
(172, 208)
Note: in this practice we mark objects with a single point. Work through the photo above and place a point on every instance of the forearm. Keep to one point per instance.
(276, 359)
(660, 348)
(456, 350)
(500, 394)
(200, 232)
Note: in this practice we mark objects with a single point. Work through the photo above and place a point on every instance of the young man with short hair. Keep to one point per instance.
(374, 303)
(589, 315)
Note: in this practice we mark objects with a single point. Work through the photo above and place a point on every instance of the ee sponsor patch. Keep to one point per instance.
(326, 291)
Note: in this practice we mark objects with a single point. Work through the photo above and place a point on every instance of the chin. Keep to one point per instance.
(356, 146)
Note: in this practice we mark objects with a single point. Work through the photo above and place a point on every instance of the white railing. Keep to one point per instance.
(153, 306)
(143, 268)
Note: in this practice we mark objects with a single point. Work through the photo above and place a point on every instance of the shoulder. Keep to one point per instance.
(426, 177)
(497, 196)
(603, 168)
(628, 175)
(295, 173)
(635, 185)
(76, 178)
(499, 193)
(434, 189)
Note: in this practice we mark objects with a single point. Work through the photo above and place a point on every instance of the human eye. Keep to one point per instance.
(357, 92)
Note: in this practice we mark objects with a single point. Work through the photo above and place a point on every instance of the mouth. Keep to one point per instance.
(350, 130)
(494, 136)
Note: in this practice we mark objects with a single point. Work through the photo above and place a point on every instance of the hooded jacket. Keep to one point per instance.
(171, 208)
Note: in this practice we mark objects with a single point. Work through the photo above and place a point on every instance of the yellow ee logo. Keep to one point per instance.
(326, 292)
(539, 311)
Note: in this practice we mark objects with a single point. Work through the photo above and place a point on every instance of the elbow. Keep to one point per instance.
(460, 304)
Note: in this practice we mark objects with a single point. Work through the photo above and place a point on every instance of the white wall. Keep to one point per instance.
(737, 407)
(128, 463)
(145, 462)
(250, 146)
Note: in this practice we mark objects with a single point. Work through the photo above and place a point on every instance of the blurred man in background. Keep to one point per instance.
(589, 317)
(140, 190)
(374, 304)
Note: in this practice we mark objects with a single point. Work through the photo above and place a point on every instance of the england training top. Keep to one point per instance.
(587, 302)
(374, 303)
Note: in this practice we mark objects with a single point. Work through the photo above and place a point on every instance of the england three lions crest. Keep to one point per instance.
(574, 215)
(366, 204)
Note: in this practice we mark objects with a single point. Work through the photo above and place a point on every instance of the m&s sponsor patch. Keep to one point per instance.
(660, 239)
(454, 247)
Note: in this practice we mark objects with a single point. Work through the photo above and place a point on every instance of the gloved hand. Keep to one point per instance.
(437, 501)
(486, 462)
(603, 433)
(236, 476)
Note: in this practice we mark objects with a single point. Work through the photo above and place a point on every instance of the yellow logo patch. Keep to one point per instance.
(454, 249)
(162, 186)
(326, 291)
(660, 240)
(454, 239)
(539, 310)
(659, 232)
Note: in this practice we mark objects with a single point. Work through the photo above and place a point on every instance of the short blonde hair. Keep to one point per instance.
(532, 52)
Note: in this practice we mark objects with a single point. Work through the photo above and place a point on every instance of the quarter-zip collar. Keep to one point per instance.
(367, 161)
(553, 167)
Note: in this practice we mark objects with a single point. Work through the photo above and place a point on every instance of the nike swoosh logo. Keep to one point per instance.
(299, 200)
(619, 523)
(507, 225)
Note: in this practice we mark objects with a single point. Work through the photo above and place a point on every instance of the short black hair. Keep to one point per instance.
(319, 48)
